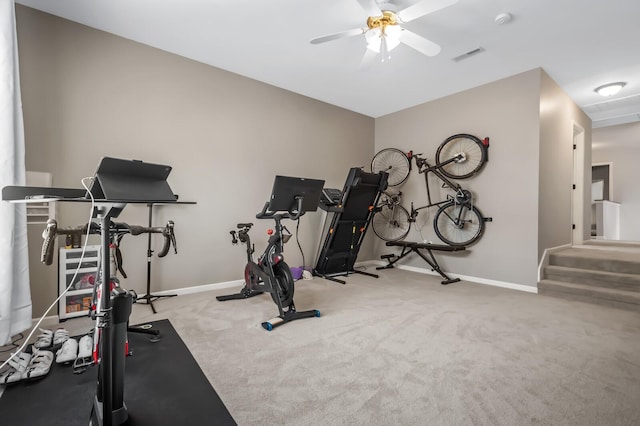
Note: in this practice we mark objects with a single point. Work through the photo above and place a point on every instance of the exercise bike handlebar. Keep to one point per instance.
(293, 214)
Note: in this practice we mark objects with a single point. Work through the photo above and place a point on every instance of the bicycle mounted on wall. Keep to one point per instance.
(271, 274)
(457, 222)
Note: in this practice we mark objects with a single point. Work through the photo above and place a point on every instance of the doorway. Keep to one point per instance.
(601, 172)
(577, 194)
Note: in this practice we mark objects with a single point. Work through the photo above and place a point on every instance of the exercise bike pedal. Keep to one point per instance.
(387, 256)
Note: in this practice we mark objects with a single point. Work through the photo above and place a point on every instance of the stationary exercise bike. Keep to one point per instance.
(271, 274)
(117, 315)
(116, 231)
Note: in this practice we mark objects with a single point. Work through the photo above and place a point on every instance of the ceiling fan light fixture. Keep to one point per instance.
(391, 35)
(610, 89)
(383, 32)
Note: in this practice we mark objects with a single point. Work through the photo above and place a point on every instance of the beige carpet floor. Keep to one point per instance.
(405, 350)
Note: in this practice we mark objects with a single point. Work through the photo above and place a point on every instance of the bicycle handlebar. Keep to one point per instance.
(52, 231)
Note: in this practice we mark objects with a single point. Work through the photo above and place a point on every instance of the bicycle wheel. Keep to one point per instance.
(473, 156)
(391, 223)
(394, 162)
(458, 224)
(284, 280)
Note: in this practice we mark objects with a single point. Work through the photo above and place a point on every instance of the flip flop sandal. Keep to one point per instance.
(68, 352)
(40, 364)
(85, 355)
(18, 365)
(60, 336)
(44, 339)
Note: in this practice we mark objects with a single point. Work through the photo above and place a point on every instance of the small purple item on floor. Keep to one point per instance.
(296, 272)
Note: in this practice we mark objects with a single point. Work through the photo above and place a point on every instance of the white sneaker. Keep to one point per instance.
(84, 359)
(68, 352)
(60, 335)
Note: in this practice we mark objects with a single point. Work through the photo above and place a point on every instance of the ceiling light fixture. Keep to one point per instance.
(610, 89)
(383, 34)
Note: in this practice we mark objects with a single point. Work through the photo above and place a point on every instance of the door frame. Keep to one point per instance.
(578, 191)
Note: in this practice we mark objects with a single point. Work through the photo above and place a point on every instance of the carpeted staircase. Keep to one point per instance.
(597, 272)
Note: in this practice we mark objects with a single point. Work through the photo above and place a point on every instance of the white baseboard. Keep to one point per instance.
(495, 283)
(200, 288)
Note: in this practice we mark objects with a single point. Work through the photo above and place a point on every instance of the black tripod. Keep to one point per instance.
(149, 298)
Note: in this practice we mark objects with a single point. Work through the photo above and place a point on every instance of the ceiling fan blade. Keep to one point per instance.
(422, 8)
(371, 7)
(330, 37)
(421, 44)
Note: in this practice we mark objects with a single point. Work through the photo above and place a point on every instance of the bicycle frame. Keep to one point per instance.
(263, 269)
(116, 231)
(461, 196)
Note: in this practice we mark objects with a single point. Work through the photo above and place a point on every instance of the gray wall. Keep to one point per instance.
(620, 145)
(525, 186)
(506, 189)
(88, 94)
(558, 113)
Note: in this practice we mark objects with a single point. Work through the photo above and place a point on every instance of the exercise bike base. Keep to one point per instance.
(287, 317)
(242, 295)
(118, 417)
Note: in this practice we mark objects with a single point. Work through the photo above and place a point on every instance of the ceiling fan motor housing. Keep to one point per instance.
(387, 18)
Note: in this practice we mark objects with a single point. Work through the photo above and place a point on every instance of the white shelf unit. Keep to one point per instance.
(77, 301)
(40, 212)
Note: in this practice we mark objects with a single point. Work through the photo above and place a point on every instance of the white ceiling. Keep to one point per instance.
(582, 44)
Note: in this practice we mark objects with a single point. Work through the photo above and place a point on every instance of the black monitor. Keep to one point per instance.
(117, 179)
(286, 189)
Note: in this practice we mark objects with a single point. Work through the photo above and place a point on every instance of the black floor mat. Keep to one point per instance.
(163, 386)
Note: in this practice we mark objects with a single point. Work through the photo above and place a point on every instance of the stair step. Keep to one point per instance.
(609, 260)
(605, 279)
(606, 296)
(633, 245)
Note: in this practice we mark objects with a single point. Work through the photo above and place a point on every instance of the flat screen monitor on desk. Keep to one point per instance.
(131, 181)
(286, 189)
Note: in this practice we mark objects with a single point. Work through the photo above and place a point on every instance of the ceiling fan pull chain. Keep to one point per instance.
(384, 51)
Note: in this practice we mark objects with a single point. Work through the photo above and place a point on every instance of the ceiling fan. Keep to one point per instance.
(384, 31)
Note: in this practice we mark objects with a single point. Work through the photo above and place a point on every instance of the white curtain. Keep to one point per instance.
(15, 296)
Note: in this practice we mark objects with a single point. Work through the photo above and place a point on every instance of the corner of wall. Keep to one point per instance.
(559, 115)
